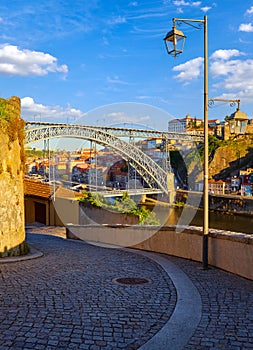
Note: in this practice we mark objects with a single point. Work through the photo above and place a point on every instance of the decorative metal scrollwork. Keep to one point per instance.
(232, 103)
(199, 25)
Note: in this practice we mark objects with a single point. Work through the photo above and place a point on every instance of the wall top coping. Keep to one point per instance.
(213, 233)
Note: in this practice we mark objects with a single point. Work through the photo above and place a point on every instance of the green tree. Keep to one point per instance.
(125, 203)
(213, 144)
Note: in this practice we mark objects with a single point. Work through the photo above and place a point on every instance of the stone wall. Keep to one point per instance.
(12, 230)
(229, 251)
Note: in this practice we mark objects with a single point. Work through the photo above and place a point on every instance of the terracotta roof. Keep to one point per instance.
(44, 190)
(37, 188)
(216, 181)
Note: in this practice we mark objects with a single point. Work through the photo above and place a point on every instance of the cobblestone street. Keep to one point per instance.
(69, 299)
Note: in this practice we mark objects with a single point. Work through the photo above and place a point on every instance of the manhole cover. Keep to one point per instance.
(132, 280)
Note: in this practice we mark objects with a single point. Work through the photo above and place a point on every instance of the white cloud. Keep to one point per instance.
(179, 10)
(144, 97)
(246, 27)
(219, 68)
(149, 15)
(116, 20)
(235, 77)
(239, 81)
(187, 3)
(105, 41)
(250, 10)
(235, 74)
(36, 111)
(229, 73)
(116, 80)
(133, 3)
(14, 61)
(225, 54)
(189, 70)
(152, 98)
(205, 9)
(122, 117)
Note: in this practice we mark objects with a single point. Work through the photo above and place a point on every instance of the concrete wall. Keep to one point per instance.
(89, 214)
(229, 251)
(12, 231)
(67, 210)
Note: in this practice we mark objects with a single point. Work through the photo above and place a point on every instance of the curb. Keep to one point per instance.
(176, 333)
(33, 254)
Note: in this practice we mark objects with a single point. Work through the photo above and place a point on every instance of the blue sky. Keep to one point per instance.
(104, 62)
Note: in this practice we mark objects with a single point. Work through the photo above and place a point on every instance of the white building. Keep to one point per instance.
(181, 125)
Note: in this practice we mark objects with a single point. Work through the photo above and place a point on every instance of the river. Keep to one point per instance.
(187, 216)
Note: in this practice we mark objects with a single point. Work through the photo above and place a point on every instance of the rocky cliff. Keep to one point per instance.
(225, 160)
(230, 158)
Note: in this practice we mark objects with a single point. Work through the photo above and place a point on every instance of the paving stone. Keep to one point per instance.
(68, 300)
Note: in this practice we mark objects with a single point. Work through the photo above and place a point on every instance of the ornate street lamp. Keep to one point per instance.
(238, 120)
(172, 40)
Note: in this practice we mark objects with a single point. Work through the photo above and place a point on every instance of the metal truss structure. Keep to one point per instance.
(130, 132)
(154, 175)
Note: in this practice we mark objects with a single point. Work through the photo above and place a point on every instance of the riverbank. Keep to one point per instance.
(227, 203)
(230, 213)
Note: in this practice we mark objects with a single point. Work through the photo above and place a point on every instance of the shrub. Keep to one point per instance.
(125, 204)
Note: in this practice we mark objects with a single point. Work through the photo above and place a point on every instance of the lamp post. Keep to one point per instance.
(172, 40)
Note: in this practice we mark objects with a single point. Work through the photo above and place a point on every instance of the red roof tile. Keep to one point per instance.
(37, 188)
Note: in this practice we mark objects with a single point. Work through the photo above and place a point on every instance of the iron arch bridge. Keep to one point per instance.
(150, 171)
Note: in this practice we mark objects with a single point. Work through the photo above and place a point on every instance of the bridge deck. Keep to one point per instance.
(131, 192)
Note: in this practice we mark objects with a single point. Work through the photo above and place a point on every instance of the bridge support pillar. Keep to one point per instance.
(171, 187)
(143, 198)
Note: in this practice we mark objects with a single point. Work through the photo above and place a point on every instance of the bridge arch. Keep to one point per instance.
(150, 171)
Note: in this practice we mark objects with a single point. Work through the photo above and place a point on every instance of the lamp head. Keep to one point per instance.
(238, 122)
(174, 41)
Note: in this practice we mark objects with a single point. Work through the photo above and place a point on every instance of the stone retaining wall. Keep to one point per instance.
(12, 227)
(229, 251)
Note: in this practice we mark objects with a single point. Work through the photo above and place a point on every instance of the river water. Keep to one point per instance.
(187, 216)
